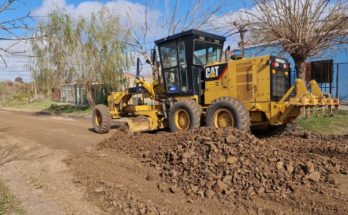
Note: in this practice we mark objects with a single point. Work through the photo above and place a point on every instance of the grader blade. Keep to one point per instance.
(139, 124)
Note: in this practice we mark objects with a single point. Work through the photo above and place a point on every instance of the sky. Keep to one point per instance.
(17, 65)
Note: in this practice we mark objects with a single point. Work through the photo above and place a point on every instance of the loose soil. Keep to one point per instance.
(209, 171)
(32, 150)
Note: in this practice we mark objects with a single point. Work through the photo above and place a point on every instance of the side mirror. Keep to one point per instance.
(153, 56)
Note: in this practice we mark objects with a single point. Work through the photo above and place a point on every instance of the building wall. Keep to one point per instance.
(339, 55)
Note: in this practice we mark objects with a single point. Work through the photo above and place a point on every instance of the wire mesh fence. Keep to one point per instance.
(77, 95)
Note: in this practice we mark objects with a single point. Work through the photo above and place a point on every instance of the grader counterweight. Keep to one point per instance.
(195, 88)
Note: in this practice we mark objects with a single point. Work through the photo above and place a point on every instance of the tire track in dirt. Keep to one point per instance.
(39, 178)
(32, 150)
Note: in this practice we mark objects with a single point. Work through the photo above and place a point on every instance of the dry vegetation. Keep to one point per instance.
(8, 203)
(15, 92)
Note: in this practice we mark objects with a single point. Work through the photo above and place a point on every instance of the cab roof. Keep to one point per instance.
(192, 32)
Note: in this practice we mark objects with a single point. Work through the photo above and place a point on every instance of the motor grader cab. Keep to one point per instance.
(200, 89)
(183, 57)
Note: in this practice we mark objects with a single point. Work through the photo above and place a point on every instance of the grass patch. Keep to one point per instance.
(337, 124)
(8, 203)
(34, 106)
(48, 107)
(67, 109)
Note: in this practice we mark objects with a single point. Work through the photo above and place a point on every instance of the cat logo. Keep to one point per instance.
(212, 72)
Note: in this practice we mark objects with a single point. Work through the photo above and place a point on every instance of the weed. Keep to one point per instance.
(8, 203)
(336, 124)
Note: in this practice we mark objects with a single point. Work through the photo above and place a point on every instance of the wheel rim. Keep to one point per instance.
(98, 118)
(182, 119)
(223, 118)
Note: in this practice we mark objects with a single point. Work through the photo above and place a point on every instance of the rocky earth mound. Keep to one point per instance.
(209, 171)
(228, 163)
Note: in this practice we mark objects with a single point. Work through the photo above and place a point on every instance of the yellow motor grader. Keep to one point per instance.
(195, 88)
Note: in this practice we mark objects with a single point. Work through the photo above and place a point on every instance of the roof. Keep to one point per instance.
(260, 45)
(188, 33)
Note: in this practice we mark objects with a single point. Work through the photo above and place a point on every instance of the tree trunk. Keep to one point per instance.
(300, 66)
(90, 99)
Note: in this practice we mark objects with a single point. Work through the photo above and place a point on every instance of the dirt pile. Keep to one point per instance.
(227, 164)
(210, 171)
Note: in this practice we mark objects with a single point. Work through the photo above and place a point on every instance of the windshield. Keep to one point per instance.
(206, 52)
(169, 55)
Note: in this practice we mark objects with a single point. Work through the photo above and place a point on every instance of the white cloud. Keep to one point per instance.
(130, 14)
(49, 6)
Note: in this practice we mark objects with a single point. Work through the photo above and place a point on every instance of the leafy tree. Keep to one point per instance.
(86, 51)
(196, 14)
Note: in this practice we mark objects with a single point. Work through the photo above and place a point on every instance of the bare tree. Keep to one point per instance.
(12, 29)
(178, 15)
(303, 28)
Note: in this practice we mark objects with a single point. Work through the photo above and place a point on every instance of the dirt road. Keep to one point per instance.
(32, 153)
(53, 132)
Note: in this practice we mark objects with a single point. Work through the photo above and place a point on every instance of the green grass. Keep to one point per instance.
(67, 109)
(8, 203)
(34, 106)
(48, 107)
(337, 124)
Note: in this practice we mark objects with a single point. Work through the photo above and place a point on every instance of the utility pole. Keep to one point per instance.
(241, 30)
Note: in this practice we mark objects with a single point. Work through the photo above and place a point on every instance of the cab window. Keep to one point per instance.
(172, 80)
(169, 55)
(182, 67)
(173, 56)
(206, 52)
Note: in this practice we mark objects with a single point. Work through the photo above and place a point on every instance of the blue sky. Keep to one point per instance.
(18, 65)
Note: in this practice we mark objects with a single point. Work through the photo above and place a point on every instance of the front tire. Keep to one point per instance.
(185, 115)
(101, 119)
(228, 112)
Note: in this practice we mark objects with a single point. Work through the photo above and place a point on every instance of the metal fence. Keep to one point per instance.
(342, 81)
(76, 94)
(338, 87)
(73, 94)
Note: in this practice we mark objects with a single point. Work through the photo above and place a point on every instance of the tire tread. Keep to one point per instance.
(192, 107)
(106, 119)
(243, 118)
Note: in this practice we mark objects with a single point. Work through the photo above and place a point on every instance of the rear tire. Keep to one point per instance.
(228, 112)
(185, 115)
(101, 119)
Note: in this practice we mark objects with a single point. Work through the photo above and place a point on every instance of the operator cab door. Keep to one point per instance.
(207, 63)
(174, 66)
